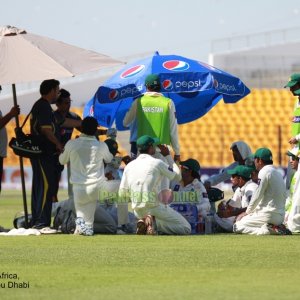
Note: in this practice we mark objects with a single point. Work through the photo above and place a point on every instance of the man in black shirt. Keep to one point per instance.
(45, 169)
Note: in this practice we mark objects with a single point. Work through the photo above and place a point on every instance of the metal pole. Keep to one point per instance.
(21, 163)
(279, 146)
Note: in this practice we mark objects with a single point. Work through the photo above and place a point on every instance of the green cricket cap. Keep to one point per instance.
(264, 154)
(241, 171)
(191, 164)
(294, 79)
(145, 141)
(152, 79)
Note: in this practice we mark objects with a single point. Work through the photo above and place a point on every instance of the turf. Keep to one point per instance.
(149, 267)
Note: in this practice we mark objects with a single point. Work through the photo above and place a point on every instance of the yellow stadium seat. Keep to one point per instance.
(254, 120)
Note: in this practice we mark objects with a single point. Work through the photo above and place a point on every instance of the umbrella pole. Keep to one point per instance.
(21, 162)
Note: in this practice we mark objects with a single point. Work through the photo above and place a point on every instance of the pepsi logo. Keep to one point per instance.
(132, 71)
(113, 95)
(167, 84)
(92, 111)
(176, 65)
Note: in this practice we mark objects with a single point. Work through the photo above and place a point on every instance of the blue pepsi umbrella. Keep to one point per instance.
(194, 87)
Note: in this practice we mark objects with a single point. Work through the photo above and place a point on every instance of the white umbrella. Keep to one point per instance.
(26, 57)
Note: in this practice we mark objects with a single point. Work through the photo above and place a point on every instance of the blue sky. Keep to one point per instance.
(121, 28)
(130, 29)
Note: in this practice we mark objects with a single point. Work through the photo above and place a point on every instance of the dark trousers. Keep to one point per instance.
(1, 170)
(44, 189)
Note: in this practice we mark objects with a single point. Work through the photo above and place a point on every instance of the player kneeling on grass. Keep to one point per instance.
(265, 212)
(86, 155)
(244, 188)
(190, 198)
(141, 184)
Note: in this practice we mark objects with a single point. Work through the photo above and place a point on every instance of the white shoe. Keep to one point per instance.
(47, 230)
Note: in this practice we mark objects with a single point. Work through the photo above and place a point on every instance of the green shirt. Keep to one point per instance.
(296, 119)
(153, 117)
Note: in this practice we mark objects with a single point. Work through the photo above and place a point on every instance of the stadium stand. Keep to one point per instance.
(262, 119)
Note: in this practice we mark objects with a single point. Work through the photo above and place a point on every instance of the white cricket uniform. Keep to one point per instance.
(130, 119)
(267, 205)
(141, 183)
(293, 221)
(194, 192)
(86, 156)
(122, 208)
(240, 199)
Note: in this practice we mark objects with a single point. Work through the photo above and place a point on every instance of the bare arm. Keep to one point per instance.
(13, 113)
(71, 123)
(131, 114)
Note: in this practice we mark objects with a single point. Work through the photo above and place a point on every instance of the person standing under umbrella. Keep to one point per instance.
(3, 134)
(153, 115)
(46, 169)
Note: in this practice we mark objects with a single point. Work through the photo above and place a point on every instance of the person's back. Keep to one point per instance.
(274, 190)
(141, 183)
(144, 180)
(153, 117)
(86, 156)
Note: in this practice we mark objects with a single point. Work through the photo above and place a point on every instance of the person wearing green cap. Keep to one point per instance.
(141, 184)
(265, 212)
(294, 85)
(227, 211)
(153, 114)
(190, 192)
(292, 215)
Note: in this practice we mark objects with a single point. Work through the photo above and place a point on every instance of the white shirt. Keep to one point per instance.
(194, 192)
(247, 191)
(270, 194)
(130, 118)
(141, 180)
(86, 156)
(3, 140)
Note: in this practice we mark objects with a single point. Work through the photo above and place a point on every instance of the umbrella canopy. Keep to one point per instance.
(194, 87)
(26, 57)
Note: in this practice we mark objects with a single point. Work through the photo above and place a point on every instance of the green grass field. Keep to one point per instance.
(146, 267)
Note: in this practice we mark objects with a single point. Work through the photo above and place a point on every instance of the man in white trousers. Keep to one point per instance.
(265, 212)
(86, 155)
(227, 211)
(141, 184)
